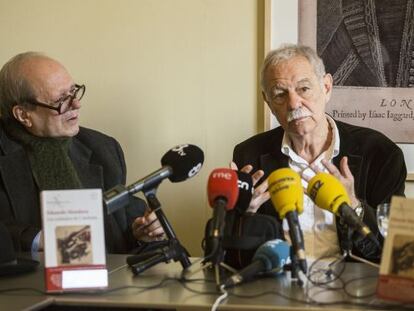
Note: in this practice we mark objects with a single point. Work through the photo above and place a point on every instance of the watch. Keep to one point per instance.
(359, 210)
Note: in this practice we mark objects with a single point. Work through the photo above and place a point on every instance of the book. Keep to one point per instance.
(396, 279)
(74, 240)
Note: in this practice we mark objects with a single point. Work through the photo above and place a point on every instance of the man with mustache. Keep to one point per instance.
(369, 165)
(42, 147)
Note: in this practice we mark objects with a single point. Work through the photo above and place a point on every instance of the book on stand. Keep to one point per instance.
(74, 240)
(396, 279)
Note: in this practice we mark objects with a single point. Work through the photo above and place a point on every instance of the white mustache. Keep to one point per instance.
(298, 113)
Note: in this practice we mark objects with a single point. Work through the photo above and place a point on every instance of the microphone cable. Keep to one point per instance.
(220, 299)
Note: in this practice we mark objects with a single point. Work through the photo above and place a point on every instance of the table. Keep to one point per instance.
(138, 293)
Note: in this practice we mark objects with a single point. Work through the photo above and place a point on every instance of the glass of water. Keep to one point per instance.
(383, 211)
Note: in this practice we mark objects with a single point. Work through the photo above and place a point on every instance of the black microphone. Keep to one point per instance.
(165, 254)
(245, 183)
(133, 259)
(178, 164)
(270, 257)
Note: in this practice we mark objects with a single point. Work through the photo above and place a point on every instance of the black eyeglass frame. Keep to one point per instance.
(60, 102)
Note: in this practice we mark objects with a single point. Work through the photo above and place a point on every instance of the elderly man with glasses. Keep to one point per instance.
(42, 147)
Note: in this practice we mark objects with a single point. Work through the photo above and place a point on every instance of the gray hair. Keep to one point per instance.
(287, 52)
(14, 85)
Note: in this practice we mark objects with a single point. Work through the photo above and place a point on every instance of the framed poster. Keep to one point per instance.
(368, 47)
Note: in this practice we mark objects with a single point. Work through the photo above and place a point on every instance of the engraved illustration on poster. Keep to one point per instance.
(368, 47)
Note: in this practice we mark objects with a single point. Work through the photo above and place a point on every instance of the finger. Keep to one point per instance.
(160, 237)
(158, 231)
(151, 217)
(149, 231)
(265, 196)
(258, 201)
(247, 168)
(154, 225)
(257, 176)
(144, 222)
(147, 212)
(305, 177)
(331, 168)
(233, 166)
(316, 169)
(345, 171)
(147, 226)
(138, 222)
(262, 188)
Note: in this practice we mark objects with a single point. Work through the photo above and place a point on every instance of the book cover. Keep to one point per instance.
(74, 240)
(396, 279)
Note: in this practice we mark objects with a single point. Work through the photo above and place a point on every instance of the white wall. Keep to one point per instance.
(283, 29)
(158, 73)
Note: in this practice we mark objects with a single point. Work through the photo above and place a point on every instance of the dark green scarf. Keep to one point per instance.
(52, 168)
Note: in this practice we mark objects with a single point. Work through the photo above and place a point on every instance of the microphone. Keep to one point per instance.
(223, 191)
(328, 193)
(133, 259)
(286, 193)
(178, 164)
(245, 184)
(165, 254)
(272, 256)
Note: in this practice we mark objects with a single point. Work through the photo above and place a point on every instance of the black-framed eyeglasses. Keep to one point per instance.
(63, 104)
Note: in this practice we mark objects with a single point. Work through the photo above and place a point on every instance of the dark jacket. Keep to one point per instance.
(99, 162)
(376, 163)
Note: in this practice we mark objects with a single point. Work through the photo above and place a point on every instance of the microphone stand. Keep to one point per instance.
(294, 268)
(215, 259)
(172, 251)
(348, 249)
(347, 233)
(346, 245)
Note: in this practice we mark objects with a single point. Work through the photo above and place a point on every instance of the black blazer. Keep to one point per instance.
(99, 162)
(376, 163)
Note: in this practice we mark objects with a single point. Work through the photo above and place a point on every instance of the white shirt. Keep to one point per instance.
(318, 225)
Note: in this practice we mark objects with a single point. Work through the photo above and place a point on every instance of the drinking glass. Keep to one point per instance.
(383, 211)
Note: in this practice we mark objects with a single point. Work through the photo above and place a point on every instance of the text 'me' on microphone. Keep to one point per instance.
(178, 164)
(286, 193)
(222, 191)
(330, 194)
(271, 257)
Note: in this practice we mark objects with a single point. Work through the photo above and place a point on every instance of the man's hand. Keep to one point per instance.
(147, 228)
(344, 175)
(260, 193)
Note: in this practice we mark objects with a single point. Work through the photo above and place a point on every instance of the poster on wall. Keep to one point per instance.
(368, 47)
